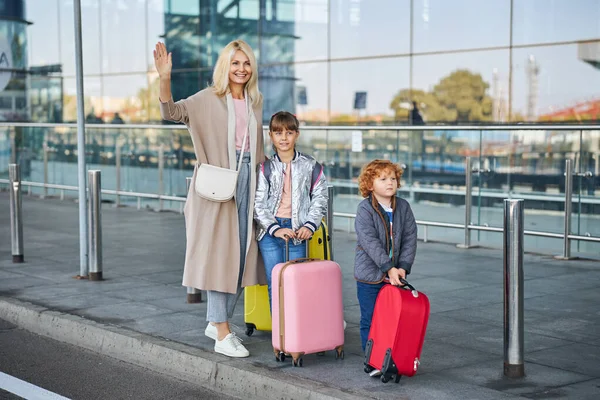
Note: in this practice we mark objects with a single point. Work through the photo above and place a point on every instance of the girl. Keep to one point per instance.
(291, 197)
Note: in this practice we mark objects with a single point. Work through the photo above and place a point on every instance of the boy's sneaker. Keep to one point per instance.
(211, 331)
(231, 346)
(375, 372)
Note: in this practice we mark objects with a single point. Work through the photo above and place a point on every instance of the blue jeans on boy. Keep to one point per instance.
(367, 294)
(273, 250)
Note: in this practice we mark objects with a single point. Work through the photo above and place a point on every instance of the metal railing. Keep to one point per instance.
(468, 226)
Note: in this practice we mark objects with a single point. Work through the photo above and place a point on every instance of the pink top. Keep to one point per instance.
(285, 207)
(241, 123)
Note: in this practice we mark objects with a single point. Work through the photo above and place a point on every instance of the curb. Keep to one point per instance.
(179, 361)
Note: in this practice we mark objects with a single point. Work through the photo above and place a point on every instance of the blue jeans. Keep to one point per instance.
(273, 250)
(367, 294)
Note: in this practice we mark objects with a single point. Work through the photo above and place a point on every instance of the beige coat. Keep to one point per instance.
(212, 256)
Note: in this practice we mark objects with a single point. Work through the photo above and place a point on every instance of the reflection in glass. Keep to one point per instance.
(380, 79)
(122, 20)
(90, 22)
(126, 98)
(482, 24)
(43, 34)
(93, 101)
(300, 89)
(547, 21)
(356, 28)
(466, 87)
(554, 84)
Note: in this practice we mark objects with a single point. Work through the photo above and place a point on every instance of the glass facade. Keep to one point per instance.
(331, 62)
(461, 60)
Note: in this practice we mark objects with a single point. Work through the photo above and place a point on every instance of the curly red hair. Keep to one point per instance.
(372, 171)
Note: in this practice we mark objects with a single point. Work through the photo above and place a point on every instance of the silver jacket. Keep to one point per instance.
(308, 206)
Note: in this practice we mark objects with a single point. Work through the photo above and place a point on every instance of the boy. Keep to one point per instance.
(387, 237)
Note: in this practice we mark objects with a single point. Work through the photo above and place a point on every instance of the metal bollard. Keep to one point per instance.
(16, 213)
(118, 168)
(513, 288)
(468, 202)
(193, 295)
(45, 157)
(161, 167)
(95, 225)
(330, 192)
(568, 208)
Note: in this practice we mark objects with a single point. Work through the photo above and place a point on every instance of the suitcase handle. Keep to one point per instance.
(406, 284)
(287, 253)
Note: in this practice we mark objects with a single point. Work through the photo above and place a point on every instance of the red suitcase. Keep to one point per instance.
(397, 332)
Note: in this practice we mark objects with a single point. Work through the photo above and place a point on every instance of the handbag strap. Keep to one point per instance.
(245, 134)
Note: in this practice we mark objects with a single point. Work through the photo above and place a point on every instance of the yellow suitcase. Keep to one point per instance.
(257, 313)
(319, 244)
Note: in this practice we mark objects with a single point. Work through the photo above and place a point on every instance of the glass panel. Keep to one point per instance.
(300, 89)
(363, 91)
(356, 28)
(308, 19)
(185, 84)
(346, 153)
(529, 165)
(543, 21)
(156, 25)
(13, 98)
(122, 20)
(45, 93)
(125, 98)
(467, 87)
(43, 34)
(482, 24)
(90, 23)
(93, 102)
(554, 84)
(586, 194)
(139, 150)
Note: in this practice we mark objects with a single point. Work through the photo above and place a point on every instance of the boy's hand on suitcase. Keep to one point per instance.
(304, 233)
(395, 274)
(285, 233)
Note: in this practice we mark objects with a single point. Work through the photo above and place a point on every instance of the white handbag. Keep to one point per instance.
(216, 183)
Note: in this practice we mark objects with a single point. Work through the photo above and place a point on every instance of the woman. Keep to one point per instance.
(221, 250)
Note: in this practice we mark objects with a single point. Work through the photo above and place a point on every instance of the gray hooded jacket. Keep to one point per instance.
(372, 260)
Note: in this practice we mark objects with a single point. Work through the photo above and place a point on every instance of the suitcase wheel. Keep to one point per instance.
(280, 357)
(385, 378)
(321, 353)
(339, 354)
(397, 378)
(368, 369)
(250, 329)
(297, 363)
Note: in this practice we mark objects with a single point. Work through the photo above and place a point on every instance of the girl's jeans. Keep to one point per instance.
(273, 250)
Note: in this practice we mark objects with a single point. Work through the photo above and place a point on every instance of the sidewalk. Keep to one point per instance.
(139, 314)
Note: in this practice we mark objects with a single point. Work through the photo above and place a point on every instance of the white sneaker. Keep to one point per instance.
(375, 372)
(211, 331)
(231, 346)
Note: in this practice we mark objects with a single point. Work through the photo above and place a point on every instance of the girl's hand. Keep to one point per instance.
(285, 234)
(304, 233)
(162, 60)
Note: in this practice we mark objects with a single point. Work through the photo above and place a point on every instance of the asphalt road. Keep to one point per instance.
(74, 373)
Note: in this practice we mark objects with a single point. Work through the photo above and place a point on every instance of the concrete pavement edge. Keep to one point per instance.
(180, 361)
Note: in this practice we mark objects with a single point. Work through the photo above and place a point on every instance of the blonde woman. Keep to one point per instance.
(221, 250)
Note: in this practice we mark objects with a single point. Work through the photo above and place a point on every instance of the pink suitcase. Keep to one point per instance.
(307, 309)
